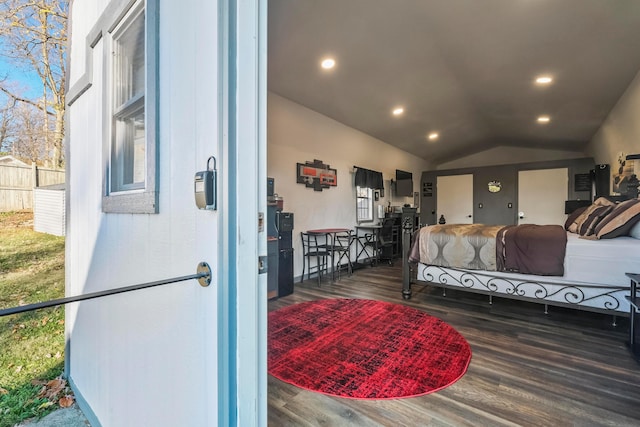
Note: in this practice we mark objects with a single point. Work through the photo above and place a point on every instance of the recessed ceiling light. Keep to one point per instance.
(398, 111)
(328, 63)
(544, 80)
(544, 119)
(433, 136)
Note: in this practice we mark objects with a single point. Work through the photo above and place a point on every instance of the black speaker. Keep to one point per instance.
(270, 187)
(285, 272)
(602, 180)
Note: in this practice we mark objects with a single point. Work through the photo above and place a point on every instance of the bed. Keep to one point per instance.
(600, 244)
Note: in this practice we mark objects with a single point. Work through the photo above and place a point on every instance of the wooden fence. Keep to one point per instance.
(17, 184)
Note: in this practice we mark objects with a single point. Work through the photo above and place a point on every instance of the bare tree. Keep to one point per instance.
(34, 37)
(7, 125)
(28, 143)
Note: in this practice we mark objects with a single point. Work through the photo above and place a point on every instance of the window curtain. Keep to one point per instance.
(369, 179)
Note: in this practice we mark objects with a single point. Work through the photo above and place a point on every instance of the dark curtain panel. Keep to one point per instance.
(370, 179)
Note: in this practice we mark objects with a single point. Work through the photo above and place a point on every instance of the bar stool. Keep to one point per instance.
(341, 249)
(314, 246)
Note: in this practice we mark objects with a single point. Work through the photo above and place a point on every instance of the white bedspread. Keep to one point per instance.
(601, 261)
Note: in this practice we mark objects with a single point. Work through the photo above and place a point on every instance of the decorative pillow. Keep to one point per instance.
(573, 215)
(579, 221)
(593, 219)
(620, 220)
(604, 201)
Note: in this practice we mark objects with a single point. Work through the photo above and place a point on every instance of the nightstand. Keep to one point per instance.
(634, 316)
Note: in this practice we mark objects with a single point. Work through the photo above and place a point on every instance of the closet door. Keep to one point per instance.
(455, 198)
(541, 196)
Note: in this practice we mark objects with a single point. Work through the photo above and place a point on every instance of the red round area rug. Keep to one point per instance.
(364, 349)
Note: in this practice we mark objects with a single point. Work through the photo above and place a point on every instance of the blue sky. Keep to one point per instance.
(29, 81)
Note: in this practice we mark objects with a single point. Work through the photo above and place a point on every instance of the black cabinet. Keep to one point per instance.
(279, 252)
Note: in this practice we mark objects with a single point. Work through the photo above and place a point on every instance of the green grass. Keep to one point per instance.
(32, 343)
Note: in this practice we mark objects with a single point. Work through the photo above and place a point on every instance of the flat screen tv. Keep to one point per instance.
(404, 183)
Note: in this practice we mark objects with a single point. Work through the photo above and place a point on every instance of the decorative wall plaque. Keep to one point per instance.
(494, 186)
(582, 182)
(316, 175)
(427, 189)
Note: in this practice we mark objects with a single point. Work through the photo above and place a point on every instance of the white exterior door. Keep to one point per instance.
(455, 198)
(541, 196)
(177, 354)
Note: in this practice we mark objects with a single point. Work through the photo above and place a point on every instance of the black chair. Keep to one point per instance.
(341, 251)
(386, 241)
(314, 247)
(379, 243)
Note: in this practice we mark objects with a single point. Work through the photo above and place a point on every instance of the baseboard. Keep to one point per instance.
(83, 405)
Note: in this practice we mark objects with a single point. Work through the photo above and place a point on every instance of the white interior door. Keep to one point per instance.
(541, 196)
(455, 198)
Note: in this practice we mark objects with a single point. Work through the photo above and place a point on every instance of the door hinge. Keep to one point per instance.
(263, 265)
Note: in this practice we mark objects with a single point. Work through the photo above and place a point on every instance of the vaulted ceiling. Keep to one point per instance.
(464, 69)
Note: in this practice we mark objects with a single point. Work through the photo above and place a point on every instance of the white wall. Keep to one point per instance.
(508, 155)
(621, 130)
(296, 134)
(145, 358)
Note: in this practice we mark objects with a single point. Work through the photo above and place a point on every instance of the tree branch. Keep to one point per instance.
(17, 98)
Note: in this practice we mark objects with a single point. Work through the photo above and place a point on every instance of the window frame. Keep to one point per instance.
(369, 208)
(134, 199)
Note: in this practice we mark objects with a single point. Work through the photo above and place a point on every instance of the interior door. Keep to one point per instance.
(541, 196)
(455, 198)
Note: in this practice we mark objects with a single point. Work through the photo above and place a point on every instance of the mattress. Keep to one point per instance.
(601, 261)
(590, 267)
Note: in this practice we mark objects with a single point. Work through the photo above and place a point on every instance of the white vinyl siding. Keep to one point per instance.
(49, 209)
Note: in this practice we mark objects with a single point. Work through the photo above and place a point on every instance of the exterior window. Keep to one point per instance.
(128, 146)
(130, 178)
(364, 204)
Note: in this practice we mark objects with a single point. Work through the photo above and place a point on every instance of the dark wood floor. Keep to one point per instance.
(567, 368)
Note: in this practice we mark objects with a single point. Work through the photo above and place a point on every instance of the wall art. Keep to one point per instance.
(316, 175)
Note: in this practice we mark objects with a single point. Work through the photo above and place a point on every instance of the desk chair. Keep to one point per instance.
(379, 243)
(314, 247)
(341, 249)
(385, 241)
